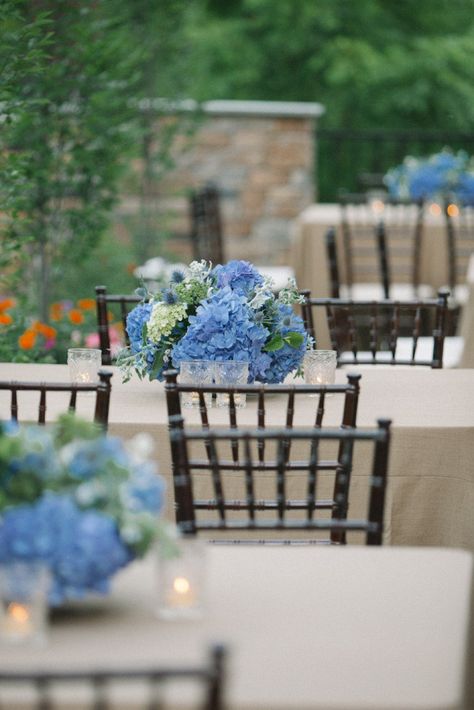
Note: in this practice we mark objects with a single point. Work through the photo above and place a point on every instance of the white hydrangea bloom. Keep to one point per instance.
(200, 269)
(163, 318)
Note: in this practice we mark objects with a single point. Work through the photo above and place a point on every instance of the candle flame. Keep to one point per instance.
(181, 585)
(435, 208)
(18, 612)
(378, 206)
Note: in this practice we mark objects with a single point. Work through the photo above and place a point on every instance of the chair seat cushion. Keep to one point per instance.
(460, 295)
(453, 347)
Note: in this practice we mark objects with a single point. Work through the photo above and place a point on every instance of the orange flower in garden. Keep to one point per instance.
(27, 340)
(5, 319)
(43, 329)
(75, 316)
(6, 303)
(56, 311)
(87, 304)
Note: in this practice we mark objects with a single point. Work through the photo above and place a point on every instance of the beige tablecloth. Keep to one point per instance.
(308, 256)
(306, 628)
(430, 498)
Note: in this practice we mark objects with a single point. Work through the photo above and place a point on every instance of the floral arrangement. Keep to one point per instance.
(72, 324)
(228, 312)
(439, 176)
(83, 502)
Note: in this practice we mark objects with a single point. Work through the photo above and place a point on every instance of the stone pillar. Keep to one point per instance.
(260, 154)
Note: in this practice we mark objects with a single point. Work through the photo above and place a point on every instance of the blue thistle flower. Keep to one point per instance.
(177, 277)
(169, 296)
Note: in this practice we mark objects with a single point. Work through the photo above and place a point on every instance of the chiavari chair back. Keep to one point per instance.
(273, 508)
(374, 332)
(381, 245)
(102, 389)
(103, 301)
(102, 689)
(206, 225)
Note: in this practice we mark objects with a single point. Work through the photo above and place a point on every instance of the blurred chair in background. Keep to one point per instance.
(103, 302)
(102, 389)
(110, 688)
(381, 246)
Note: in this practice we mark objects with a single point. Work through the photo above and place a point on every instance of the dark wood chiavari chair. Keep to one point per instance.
(103, 300)
(206, 225)
(102, 389)
(210, 678)
(381, 249)
(287, 514)
(369, 332)
(349, 392)
(460, 241)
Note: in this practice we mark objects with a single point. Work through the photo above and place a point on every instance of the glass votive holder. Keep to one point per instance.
(196, 372)
(181, 580)
(24, 587)
(231, 373)
(320, 367)
(84, 364)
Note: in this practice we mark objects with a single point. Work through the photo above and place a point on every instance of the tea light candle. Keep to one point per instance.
(84, 364)
(23, 602)
(180, 580)
(320, 367)
(18, 622)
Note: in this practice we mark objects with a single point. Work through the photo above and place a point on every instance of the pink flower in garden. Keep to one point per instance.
(116, 342)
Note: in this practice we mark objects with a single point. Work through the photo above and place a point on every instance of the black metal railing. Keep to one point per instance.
(354, 160)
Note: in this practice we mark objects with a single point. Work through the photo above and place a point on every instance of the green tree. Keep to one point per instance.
(71, 128)
(22, 53)
(402, 62)
(166, 77)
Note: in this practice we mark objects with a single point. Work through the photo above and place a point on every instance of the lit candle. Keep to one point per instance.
(377, 206)
(18, 622)
(181, 594)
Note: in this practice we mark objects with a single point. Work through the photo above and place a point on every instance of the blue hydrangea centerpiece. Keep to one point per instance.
(84, 503)
(441, 176)
(228, 312)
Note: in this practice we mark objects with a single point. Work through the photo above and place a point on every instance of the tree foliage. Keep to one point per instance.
(401, 62)
(70, 127)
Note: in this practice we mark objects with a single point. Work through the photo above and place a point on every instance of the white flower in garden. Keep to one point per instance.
(163, 318)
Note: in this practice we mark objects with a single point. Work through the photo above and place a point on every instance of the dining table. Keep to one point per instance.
(304, 628)
(430, 493)
(310, 264)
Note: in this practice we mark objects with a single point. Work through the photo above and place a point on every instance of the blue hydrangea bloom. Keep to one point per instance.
(144, 492)
(287, 359)
(82, 548)
(135, 321)
(223, 329)
(241, 276)
(85, 458)
(465, 189)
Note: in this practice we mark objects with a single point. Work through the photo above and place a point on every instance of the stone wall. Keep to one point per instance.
(261, 157)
